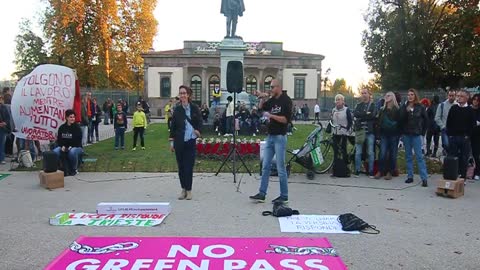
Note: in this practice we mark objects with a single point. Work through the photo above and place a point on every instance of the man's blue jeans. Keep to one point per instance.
(370, 139)
(388, 152)
(275, 145)
(414, 142)
(444, 140)
(73, 155)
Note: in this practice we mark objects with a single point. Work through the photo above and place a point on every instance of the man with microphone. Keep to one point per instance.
(278, 110)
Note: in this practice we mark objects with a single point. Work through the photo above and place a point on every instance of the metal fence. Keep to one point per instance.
(114, 94)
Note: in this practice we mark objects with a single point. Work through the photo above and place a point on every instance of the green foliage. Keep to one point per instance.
(340, 86)
(29, 50)
(94, 36)
(423, 44)
(372, 85)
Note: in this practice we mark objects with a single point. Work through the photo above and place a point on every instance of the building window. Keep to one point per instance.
(196, 85)
(213, 83)
(267, 82)
(165, 87)
(251, 84)
(299, 88)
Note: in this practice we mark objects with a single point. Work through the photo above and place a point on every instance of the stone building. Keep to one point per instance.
(198, 65)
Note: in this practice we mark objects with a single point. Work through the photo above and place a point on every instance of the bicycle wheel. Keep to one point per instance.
(326, 149)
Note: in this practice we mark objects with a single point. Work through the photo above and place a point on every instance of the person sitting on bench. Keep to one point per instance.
(69, 143)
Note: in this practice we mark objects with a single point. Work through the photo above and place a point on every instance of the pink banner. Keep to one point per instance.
(157, 253)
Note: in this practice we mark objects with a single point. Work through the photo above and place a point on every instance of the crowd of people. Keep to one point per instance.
(414, 122)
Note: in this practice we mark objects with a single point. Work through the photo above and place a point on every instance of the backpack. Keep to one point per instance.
(280, 210)
(350, 222)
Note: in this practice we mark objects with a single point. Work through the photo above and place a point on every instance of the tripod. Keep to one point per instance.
(233, 152)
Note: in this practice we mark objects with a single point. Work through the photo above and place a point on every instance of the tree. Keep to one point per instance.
(340, 86)
(421, 44)
(29, 50)
(93, 36)
(372, 85)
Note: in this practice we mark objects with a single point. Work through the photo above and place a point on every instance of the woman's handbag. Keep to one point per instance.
(329, 128)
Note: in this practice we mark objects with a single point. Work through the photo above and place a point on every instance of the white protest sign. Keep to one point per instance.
(40, 101)
(312, 224)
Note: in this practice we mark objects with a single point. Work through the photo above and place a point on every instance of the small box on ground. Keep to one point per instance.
(51, 180)
(450, 188)
(115, 208)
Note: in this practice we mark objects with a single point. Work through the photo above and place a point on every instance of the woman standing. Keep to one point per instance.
(415, 122)
(185, 129)
(388, 118)
(96, 119)
(205, 112)
(476, 135)
(342, 119)
(433, 130)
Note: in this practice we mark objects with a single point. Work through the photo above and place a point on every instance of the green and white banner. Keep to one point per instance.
(89, 219)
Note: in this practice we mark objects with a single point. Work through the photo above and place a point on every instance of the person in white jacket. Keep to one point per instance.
(441, 117)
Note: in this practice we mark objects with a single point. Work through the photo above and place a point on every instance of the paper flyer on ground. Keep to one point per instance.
(312, 224)
(198, 253)
(90, 219)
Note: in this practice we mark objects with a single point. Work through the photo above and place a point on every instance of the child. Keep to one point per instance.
(139, 126)
(120, 126)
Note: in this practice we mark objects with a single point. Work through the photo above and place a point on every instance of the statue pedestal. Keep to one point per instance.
(231, 49)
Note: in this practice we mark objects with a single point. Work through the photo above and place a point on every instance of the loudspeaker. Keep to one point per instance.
(450, 168)
(50, 162)
(234, 77)
(340, 168)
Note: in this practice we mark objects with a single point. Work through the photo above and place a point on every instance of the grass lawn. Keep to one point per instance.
(158, 158)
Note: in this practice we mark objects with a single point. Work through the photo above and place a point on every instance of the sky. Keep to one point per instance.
(332, 28)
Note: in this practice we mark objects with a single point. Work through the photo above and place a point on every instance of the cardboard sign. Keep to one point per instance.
(134, 208)
(40, 101)
(89, 219)
(198, 253)
(312, 224)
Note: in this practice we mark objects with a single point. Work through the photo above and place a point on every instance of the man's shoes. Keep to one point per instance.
(356, 174)
(280, 199)
(388, 176)
(378, 175)
(254, 134)
(476, 177)
(409, 181)
(424, 183)
(258, 197)
(143, 148)
(188, 195)
(134, 149)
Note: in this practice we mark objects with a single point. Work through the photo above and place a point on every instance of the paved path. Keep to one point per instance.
(418, 229)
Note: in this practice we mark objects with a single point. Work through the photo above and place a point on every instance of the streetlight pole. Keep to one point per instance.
(327, 72)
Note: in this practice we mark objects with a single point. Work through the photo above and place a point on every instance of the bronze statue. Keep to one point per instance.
(232, 9)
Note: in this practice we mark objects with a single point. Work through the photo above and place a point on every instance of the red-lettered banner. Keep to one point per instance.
(40, 101)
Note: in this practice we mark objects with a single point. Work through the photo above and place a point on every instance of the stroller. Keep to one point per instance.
(311, 155)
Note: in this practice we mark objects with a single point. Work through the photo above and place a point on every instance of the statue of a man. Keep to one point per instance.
(232, 9)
